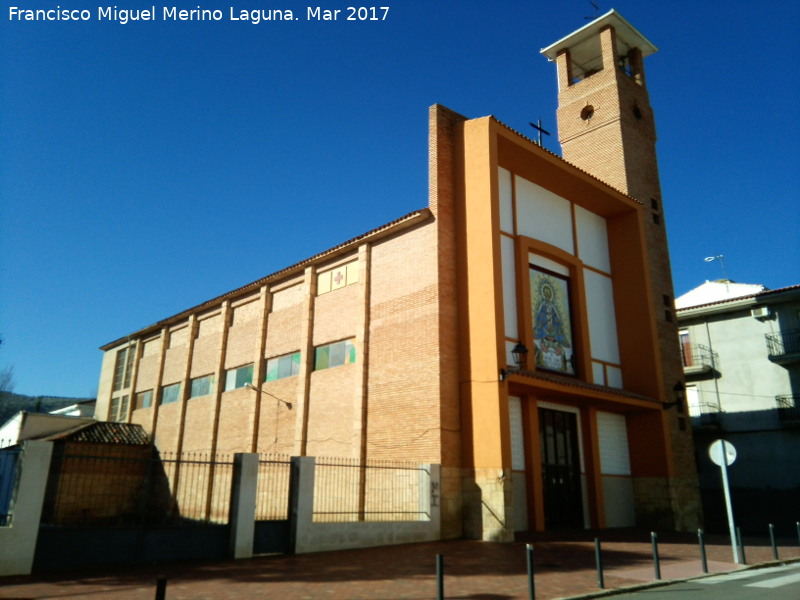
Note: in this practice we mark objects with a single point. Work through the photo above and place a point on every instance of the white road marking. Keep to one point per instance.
(746, 574)
(776, 581)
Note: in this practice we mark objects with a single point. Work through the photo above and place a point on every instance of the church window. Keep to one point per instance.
(123, 368)
(283, 366)
(237, 378)
(119, 409)
(201, 386)
(170, 393)
(335, 355)
(144, 399)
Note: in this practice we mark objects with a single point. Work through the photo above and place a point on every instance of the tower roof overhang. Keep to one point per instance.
(583, 44)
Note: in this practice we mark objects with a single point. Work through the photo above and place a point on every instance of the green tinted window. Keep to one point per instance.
(335, 355)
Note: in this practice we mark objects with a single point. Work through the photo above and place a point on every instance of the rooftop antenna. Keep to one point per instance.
(596, 10)
(721, 260)
(538, 127)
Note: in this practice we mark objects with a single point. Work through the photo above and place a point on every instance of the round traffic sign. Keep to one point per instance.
(715, 452)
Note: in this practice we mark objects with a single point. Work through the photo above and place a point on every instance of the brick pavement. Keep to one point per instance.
(564, 566)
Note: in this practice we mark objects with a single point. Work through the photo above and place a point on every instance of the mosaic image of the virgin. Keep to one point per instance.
(551, 329)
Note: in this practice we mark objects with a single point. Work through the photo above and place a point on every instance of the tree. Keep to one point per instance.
(6, 376)
(7, 379)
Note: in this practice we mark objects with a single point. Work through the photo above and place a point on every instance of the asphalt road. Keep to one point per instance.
(770, 583)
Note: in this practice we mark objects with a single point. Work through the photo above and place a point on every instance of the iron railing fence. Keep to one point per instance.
(272, 493)
(705, 413)
(784, 342)
(788, 408)
(100, 485)
(9, 456)
(200, 484)
(699, 356)
(351, 490)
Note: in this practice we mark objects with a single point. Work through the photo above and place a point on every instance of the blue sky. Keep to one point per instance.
(147, 167)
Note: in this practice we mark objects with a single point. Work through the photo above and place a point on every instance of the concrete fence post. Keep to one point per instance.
(18, 541)
(244, 486)
(301, 501)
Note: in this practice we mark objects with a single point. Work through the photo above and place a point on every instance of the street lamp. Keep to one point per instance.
(250, 386)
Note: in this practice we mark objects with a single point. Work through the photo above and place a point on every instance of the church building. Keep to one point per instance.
(518, 330)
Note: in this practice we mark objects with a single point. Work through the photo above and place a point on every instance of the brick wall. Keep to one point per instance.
(277, 423)
(403, 401)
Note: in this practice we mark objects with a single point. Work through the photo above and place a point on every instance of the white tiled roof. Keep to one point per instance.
(717, 291)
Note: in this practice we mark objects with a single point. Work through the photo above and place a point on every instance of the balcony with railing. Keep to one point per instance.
(788, 410)
(705, 415)
(784, 347)
(699, 360)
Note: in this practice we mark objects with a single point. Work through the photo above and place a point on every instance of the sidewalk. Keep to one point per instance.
(564, 567)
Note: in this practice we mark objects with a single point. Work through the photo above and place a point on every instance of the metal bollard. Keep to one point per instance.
(741, 544)
(772, 541)
(656, 562)
(531, 588)
(440, 577)
(701, 538)
(161, 588)
(598, 558)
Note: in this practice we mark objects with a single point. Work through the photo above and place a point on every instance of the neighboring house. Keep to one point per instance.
(518, 330)
(82, 408)
(11, 404)
(31, 426)
(109, 459)
(741, 354)
(37, 426)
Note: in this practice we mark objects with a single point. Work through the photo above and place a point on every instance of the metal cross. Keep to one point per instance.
(538, 127)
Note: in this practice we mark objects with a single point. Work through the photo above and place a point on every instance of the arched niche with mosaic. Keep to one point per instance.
(552, 322)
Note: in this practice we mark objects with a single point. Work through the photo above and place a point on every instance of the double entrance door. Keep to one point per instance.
(561, 469)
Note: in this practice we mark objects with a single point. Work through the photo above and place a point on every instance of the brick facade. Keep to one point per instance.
(423, 306)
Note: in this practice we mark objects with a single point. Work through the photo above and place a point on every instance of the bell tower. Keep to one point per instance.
(606, 127)
(605, 123)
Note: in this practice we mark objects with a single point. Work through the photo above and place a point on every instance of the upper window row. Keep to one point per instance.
(279, 367)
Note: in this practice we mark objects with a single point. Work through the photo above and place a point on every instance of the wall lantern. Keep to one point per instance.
(520, 353)
(679, 393)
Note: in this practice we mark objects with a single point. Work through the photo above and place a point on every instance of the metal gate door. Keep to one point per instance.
(561, 469)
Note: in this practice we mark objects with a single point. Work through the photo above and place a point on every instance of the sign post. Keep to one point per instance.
(723, 454)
